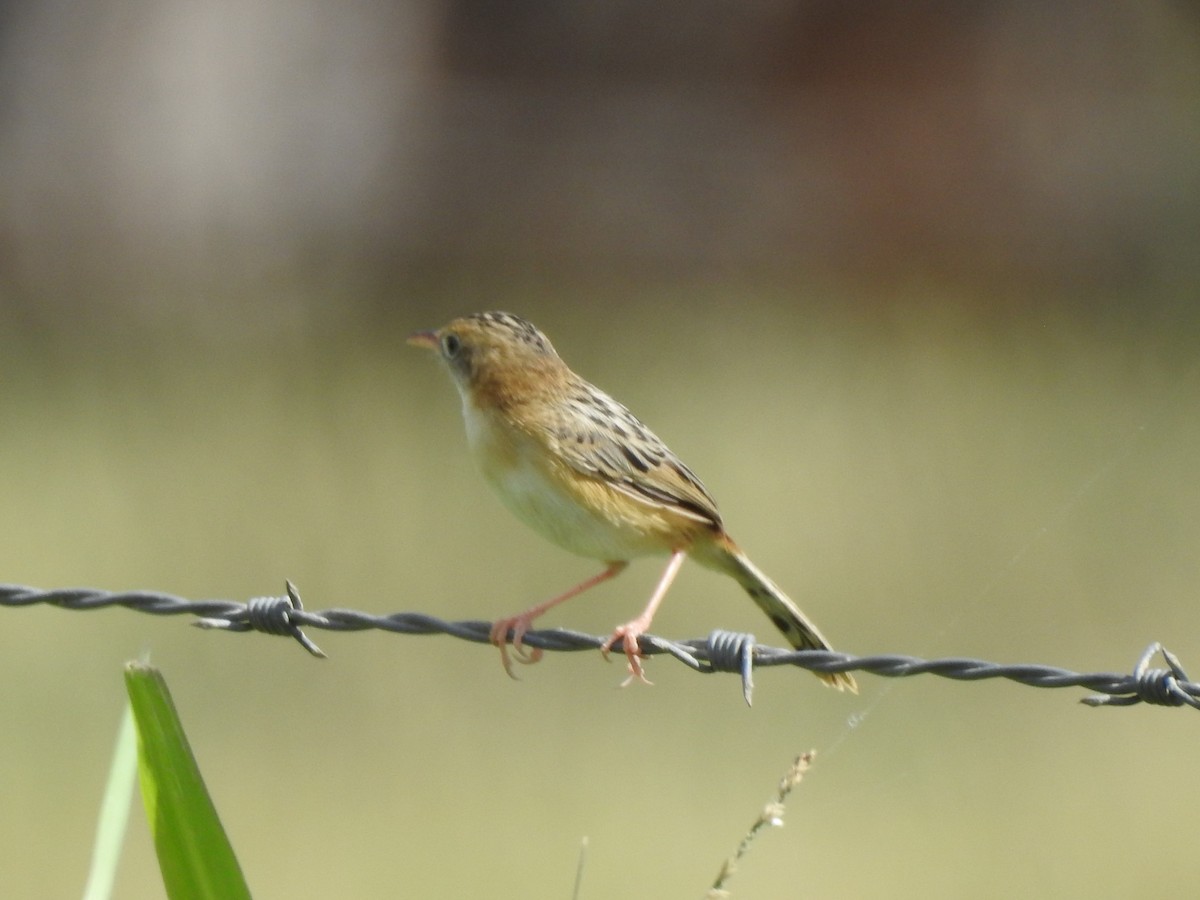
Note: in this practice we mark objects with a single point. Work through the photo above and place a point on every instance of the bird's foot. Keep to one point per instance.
(499, 636)
(628, 635)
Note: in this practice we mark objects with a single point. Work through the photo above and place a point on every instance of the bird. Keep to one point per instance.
(582, 471)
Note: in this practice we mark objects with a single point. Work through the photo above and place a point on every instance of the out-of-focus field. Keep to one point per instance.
(1021, 487)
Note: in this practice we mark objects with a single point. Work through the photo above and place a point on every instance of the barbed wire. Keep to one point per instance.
(721, 651)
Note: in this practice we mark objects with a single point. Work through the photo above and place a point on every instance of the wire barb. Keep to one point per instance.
(721, 651)
(1160, 687)
(270, 615)
(733, 651)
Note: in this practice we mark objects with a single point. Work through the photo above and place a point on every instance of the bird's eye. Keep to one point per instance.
(451, 345)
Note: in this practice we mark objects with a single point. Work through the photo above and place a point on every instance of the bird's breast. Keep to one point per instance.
(576, 512)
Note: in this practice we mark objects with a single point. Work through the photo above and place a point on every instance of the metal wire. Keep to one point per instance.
(721, 651)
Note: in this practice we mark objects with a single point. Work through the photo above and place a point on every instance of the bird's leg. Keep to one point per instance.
(519, 624)
(629, 633)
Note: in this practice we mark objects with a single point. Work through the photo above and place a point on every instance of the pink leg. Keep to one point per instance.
(628, 633)
(519, 624)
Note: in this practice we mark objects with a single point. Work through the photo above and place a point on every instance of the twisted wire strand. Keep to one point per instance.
(721, 651)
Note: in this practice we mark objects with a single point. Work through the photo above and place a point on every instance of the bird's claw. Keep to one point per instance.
(628, 635)
(499, 636)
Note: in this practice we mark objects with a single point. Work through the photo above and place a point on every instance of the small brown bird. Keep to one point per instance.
(581, 470)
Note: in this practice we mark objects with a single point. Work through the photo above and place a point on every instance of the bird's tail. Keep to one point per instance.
(786, 616)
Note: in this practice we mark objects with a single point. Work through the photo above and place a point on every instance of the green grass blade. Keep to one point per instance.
(114, 813)
(194, 853)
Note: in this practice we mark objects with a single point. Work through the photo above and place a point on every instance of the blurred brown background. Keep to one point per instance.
(912, 286)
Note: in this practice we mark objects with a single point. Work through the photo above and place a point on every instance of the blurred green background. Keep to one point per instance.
(913, 290)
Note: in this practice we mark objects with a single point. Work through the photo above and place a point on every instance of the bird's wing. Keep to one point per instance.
(597, 436)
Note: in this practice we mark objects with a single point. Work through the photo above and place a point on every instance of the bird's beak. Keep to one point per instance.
(426, 339)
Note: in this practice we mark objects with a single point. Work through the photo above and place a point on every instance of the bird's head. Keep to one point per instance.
(494, 354)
